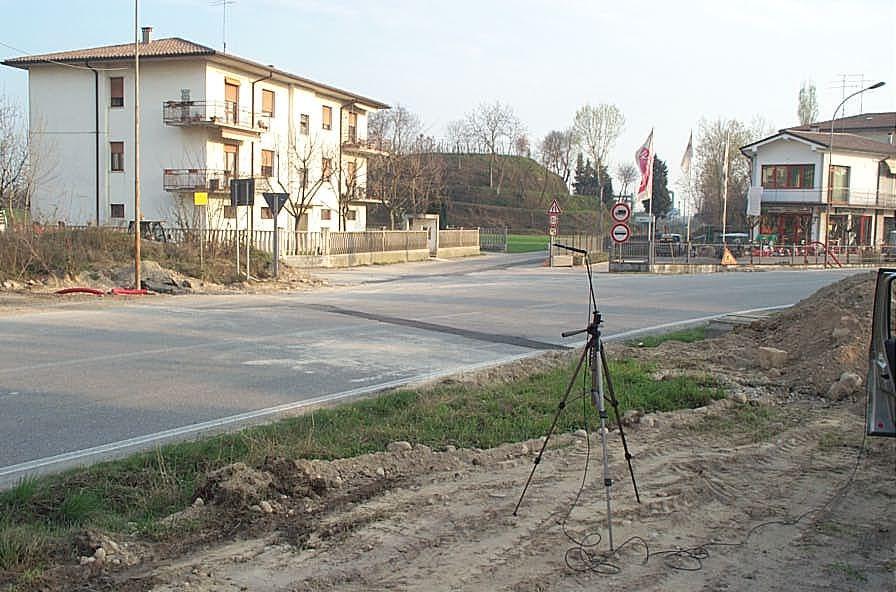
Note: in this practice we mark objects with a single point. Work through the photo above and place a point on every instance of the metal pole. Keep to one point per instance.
(276, 248)
(725, 193)
(597, 397)
(236, 237)
(137, 216)
(202, 242)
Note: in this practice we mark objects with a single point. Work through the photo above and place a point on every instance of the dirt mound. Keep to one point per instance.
(824, 335)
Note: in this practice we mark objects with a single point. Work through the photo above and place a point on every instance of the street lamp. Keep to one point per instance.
(827, 237)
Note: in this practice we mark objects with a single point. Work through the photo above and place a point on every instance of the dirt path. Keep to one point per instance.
(702, 478)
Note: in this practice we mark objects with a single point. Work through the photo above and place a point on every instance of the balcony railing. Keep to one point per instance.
(837, 196)
(352, 142)
(215, 113)
(212, 180)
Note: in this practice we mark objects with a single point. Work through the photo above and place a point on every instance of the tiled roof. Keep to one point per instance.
(170, 47)
(865, 121)
(175, 47)
(844, 141)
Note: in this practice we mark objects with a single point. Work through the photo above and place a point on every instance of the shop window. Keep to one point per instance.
(788, 176)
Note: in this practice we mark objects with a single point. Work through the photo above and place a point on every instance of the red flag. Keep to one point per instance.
(644, 160)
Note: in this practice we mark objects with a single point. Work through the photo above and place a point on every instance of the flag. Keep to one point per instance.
(688, 156)
(644, 161)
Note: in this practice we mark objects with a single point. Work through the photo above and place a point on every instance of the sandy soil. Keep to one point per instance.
(774, 488)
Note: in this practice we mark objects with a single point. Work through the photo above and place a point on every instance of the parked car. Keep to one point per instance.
(669, 244)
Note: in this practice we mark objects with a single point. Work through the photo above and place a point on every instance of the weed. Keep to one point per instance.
(22, 547)
(757, 423)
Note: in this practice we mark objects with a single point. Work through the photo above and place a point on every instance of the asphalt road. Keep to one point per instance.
(86, 382)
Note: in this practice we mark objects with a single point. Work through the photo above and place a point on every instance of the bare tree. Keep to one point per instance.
(521, 145)
(627, 174)
(307, 170)
(493, 125)
(18, 159)
(408, 177)
(596, 129)
(710, 165)
(556, 153)
(460, 137)
(807, 108)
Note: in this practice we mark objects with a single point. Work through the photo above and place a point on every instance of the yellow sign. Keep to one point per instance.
(728, 258)
(200, 198)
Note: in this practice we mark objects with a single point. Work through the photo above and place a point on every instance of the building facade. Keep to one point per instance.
(206, 118)
(841, 193)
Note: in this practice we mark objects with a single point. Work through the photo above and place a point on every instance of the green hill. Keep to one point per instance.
(522, 193)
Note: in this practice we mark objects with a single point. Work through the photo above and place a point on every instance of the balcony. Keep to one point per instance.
(351, 142)
(210, 180)
(224, 114)
(837, 196)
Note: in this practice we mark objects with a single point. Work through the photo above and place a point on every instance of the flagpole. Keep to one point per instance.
(725, 191)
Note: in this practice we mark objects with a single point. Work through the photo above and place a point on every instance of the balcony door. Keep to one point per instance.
(231, 161)
(231, 101)
(352, 128)
(838, 184)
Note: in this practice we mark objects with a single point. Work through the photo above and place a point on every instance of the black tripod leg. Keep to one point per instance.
(560, 407)
(615, 403)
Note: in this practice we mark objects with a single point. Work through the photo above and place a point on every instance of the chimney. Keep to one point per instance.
(147, 34)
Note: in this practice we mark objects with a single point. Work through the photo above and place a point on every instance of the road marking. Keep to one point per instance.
(9, 473)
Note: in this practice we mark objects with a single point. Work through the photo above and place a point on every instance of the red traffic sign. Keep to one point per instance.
(553, 219)
(620, 232)
(555, 208)
(621, 211)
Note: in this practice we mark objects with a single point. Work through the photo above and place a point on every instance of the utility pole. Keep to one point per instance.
(137, 226)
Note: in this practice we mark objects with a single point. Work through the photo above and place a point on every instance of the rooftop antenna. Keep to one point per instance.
(223, 4)
(846, 84)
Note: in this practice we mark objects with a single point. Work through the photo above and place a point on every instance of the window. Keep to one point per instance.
(326, 167)
(838, 184)
(266, 214)
(231, 160)
(304, 124)
(326, 214)
(117, 210)
(267, 163)
(351, 215)
(231, 101)
(350, 169)
(352, 127)
(328, 117)
(229, 212)
(788, 176)
(117, 92)
(267, 102)
(116, 156)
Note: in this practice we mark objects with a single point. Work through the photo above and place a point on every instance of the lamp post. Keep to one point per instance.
(827, 231)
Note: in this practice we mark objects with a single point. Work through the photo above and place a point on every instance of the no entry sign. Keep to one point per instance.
(621, 211)
(620, 233)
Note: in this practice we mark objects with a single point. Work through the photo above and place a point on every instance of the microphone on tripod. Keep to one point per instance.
(573, 249)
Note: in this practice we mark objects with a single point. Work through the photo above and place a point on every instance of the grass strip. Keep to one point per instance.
(132, 494)
(684, 335)
(526, 243)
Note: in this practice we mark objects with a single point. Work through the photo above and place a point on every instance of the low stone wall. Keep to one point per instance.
(665, 268)
(452, 252)
(357, 258)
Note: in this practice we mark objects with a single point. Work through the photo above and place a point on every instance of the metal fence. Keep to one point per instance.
(593, 243)
(493, 239)
(757, 254)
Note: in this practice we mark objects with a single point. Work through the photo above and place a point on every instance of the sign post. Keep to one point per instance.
(242, 193)
(620, 232)
(553, 224)
(275, 202)
(200, 200)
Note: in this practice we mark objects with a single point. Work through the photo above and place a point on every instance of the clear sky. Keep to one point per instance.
(664, 64)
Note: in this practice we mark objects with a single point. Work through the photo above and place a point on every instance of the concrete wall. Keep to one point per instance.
(452, 252)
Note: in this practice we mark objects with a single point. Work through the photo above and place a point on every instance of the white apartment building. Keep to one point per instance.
(841, 192)
(206, 117)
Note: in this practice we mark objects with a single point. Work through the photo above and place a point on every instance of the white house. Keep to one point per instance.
(842, 193)
(206, 117)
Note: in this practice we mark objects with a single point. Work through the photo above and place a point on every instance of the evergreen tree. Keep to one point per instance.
(662, 201)
(585, 178)
(607, 181)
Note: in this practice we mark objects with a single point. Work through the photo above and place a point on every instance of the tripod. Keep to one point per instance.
(600, 373)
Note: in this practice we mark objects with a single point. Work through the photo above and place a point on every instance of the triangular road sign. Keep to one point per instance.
(276, 201)
(728, 258)
(555, 208)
